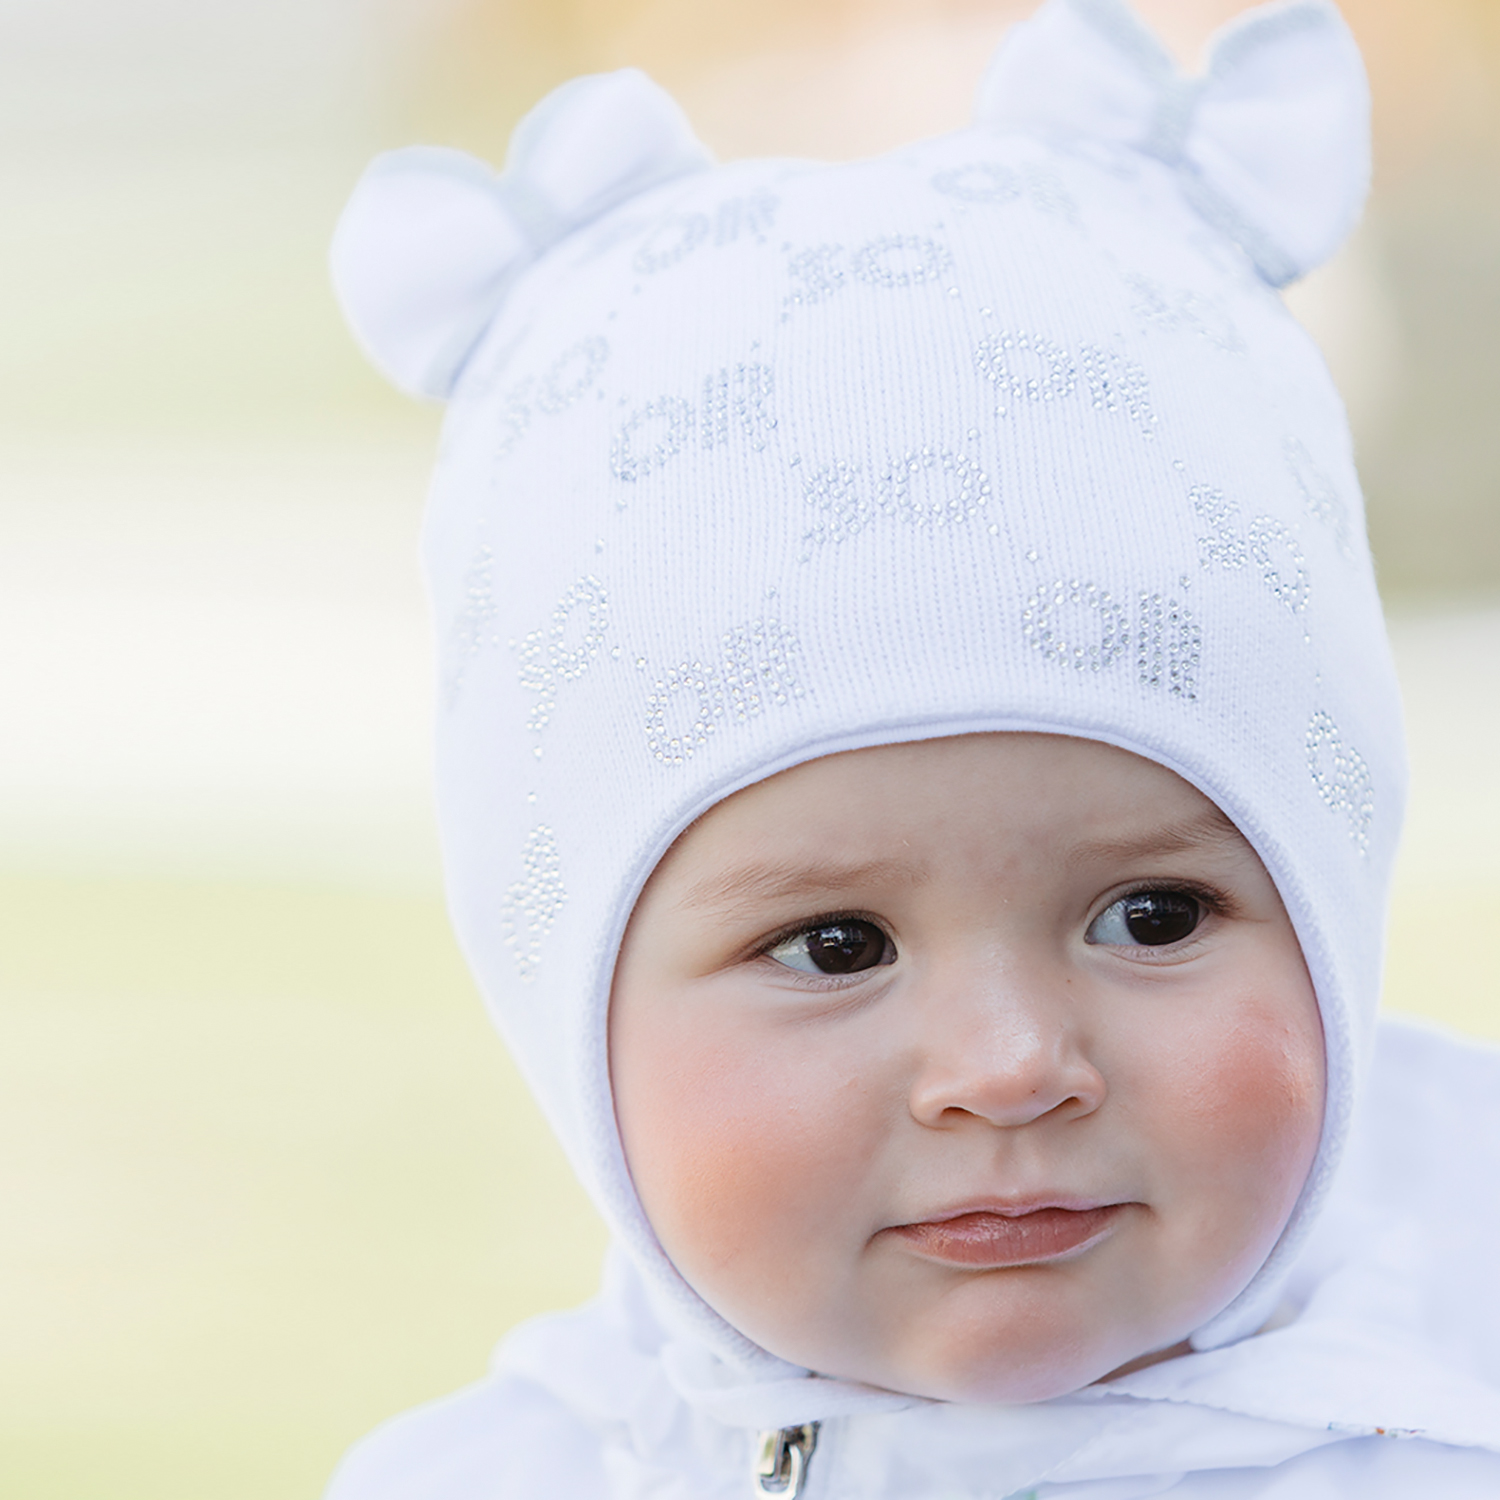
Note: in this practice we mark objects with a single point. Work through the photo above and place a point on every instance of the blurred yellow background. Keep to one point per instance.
(266, 1177)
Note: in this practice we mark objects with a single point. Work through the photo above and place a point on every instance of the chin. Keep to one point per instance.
(1001, 1376)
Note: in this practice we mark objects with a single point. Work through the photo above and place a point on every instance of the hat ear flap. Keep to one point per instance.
(432, 239)
(1281, 135)
(420, 260)
(1272, 145)
(594, 142)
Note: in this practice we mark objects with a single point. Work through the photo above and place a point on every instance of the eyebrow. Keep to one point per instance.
(1205, 831)
(767, 883)
(758, 883)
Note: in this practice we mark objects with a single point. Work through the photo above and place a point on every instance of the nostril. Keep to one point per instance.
(1016, 1087)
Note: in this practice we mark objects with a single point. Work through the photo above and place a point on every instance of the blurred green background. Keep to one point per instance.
(266, 1177)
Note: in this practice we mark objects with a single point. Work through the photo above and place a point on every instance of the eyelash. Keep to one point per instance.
(1214, 900)
(812, 924)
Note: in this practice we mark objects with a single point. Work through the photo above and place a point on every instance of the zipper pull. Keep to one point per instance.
(782, 1458)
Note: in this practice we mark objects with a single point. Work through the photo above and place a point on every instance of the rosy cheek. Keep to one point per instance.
(1250, 1110)
(734, 1152)
(1268, 1081)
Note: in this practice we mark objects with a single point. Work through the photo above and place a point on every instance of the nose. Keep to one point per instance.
(1007, 1052)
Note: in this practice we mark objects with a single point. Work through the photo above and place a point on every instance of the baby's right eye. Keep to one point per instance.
(846, 946)
(1147, 919)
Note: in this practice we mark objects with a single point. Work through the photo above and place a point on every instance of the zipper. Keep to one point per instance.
(781, 1460)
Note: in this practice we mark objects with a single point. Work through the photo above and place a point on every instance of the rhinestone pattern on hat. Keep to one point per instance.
(1287, 578)
(742, 394)
(980, 182)
(1076, 624)
(931, 485)
(1027, 368)
(514, 418)
(652, 434)
(1223, 545)
(995, 182)
(835, 491)
(671, 242)
(753, 215)
(1342, 778)
(897, 260)
(473, 626)
(1320, 498)
(694, 699)
(1168, 644)
(559, 387)
(1082, 626)
(571, 374)
(924, 486)
(734, 399)
(1176, 309)
(816, 274)
(892, 262)
(546, 656)
(1117, 384)
(532, 903)
(676, 238)
(1267, 542)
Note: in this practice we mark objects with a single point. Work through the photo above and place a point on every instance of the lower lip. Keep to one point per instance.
(990, 1239)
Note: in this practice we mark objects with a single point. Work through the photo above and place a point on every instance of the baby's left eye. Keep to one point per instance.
(847, 946)
(1146, 919)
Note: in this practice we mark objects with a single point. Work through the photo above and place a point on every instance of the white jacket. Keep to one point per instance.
(1383, 1382)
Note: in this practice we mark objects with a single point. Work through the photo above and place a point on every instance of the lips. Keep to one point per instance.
(988, 1238)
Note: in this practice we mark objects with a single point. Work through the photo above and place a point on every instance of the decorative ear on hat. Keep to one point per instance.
(431, 239)
(1271, 145)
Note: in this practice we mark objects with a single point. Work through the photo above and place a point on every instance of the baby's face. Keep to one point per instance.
(974, 1068)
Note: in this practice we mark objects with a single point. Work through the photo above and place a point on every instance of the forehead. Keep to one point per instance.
(970, 798)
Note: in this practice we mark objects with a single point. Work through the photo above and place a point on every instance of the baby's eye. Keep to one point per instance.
(1148, 918)
(842, 947)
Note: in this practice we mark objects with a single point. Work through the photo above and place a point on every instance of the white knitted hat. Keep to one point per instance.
(1008, 429)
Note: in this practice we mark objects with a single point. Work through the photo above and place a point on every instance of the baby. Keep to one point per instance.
(919, 769)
